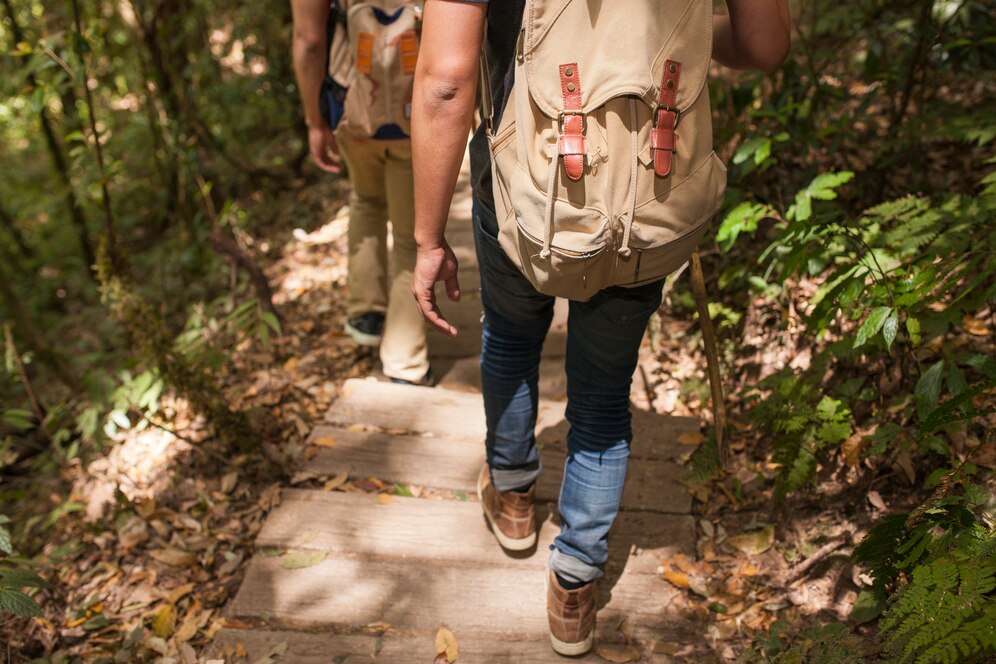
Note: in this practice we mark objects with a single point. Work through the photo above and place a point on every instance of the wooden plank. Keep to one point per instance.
(452, 413)
(492, 602)
(391, 648)
(419, 409)
(652, 484)
(421, 460)
(465, 374)
(449, 530)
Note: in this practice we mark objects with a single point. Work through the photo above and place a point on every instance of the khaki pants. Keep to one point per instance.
(383, 188)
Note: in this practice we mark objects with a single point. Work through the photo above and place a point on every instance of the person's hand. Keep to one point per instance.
(434, 264)
(324, 151)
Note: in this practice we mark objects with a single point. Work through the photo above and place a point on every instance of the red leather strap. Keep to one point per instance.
(572, 143)
(662, 137)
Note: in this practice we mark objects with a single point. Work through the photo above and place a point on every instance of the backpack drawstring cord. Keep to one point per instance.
(551, 195)
(624, 250)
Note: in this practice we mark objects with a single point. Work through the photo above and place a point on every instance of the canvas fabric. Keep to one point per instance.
(373, 56)
(620, 222)
(383, 188)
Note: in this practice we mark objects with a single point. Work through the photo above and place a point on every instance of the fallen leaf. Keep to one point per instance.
(617, 653)
(335, 482)
(691, 438)
(852, 448)
(753, 543)
(304, 476)
(446, 645)
(748, 570)
(145, 507)
(682, 562)
(165, 621)
(369, 484)
(676, 579)
(228, 481)
(875, 498)
(174, 557)
(324, 441)
(384, 498)
(234, 623)
(974, 326)
(904, 461)
(302, 559)
(179, 592)
(378, 627)
(187, 631)
(291, 364)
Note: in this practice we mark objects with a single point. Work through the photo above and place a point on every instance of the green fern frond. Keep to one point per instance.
(945, 614)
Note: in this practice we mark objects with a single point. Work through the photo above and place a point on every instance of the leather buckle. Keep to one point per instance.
(584, 121)
(667, 107)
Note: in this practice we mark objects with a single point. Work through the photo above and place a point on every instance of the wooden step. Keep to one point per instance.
(449, 530)
(464, 374)
(451, 413)
(390, 648)
(445, 413)
(468, 597)
(652, 481)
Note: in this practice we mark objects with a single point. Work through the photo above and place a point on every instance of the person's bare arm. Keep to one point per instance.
(310, 53)
(754, 35)
(442, 109)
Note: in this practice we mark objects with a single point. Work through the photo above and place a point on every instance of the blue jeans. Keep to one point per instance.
(603, 340)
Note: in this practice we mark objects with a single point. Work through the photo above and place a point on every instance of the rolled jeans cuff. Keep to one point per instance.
(573, 569)
(519, 478)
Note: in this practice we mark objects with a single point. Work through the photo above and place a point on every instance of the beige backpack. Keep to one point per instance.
(372, 55)
(603, 167)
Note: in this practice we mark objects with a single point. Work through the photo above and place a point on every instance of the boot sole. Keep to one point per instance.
(362, 338)
(572, 649)
(504, 540)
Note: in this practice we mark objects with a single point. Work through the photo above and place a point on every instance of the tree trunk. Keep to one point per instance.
(7, 221)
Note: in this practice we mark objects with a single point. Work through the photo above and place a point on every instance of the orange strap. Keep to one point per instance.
(572, 142)
(662, 138)
(364, 52)
(408, 47)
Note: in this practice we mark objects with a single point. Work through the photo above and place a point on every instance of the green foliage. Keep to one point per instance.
(946, 613)
(802, 423)
(827, 644)
(15, 576)
(900, 542)
(938, 567)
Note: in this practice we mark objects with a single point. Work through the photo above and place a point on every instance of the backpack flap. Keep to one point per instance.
(383, 41)
(606, 145)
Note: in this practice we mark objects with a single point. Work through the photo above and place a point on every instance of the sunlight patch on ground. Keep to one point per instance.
(139, 465)
(314, 260)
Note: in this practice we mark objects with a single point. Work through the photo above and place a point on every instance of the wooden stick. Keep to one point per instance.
(800, 570)
(36, 406)
(712, 358)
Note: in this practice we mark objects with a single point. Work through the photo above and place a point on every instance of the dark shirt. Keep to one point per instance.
(504, 21)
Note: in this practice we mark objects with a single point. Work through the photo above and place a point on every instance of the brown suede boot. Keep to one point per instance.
(510, 513)
(571, 614)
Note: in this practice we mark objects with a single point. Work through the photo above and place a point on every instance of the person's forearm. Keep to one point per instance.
(309, 66)
(441, 119)
(442, 110)
(310, 54)
(754, 35)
